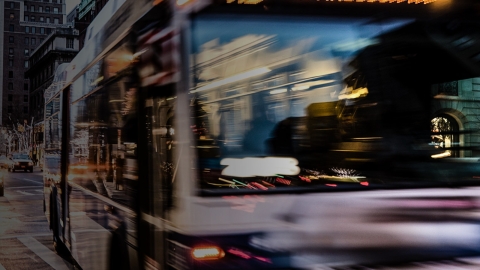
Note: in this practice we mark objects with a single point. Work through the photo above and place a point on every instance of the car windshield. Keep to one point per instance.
(20, 157)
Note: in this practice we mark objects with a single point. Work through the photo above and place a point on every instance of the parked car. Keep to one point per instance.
(21, 162)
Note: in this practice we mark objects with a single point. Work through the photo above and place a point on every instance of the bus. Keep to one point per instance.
(250, 134)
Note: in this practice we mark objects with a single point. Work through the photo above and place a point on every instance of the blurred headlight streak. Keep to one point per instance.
(207, 253)
(442, 155)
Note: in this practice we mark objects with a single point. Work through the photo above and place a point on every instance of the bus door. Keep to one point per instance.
(157, 74)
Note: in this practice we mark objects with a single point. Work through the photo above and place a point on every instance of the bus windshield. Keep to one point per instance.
(299, 102)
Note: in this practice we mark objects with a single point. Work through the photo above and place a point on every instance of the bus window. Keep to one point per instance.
(306, 102)
(103, 149)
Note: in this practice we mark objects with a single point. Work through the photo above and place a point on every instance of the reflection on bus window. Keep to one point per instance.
(312, 91)
(103, 145)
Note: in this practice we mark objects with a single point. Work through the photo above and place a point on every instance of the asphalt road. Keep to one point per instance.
(25, 237)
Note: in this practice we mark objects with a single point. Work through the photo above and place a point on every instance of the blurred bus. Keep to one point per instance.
(267, 135)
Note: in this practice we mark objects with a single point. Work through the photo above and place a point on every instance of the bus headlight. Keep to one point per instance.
(207, 253)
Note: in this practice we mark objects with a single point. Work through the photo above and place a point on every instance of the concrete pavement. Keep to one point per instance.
(25, 237)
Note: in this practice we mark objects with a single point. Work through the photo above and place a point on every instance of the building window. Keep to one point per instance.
(26, 63)
(12, 5)
(33, 30)
(27, 52)
(32, 18)
(25, 109)
(40, 9)
(10, 39)
(12, 16)
(42, 30)
(41, 19)
(48, 19)
(55, 10)
(25, 18)
(9, 109)
(11, 28)
(25, 98)
(32, 8)
(55, 20)
(27, 29)
(47, 9)
(10, 74)
(10, 86)
(10, 62)
(41, 40)
(25, 86)
(70, 43)
(49, 30)
(10, 50)
(34, 40)
(26, 41)
(25, 8)
(10, 97)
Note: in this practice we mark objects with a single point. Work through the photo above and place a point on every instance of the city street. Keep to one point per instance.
(25, 237)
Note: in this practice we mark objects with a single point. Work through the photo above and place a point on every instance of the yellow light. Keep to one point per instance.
(207, 253)
(278, 91)
(442, 155)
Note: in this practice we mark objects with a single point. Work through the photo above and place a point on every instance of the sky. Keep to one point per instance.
(71, 4)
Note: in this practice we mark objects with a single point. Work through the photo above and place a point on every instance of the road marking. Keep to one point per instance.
(22, 187)
(26, 179)
(25, 235)
(44, 253)
(24, 192)
(41, 180)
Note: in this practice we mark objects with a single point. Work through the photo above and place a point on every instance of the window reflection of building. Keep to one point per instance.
(295, 76)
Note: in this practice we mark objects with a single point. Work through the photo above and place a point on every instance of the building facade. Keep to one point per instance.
(26, 24)
(72, 15)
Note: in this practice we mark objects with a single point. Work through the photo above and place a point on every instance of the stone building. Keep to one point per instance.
(25, 24)
(458, 102)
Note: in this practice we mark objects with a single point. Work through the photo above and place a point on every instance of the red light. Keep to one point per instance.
(283, 181)
(258, 185)
(364, 184)
(306, 179)
(265, 183)
(267, 260)
(239, 253)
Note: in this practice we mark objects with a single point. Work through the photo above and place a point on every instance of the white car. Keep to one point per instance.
(20, 162)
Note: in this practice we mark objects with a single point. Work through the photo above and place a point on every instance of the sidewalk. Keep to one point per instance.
(25, 238)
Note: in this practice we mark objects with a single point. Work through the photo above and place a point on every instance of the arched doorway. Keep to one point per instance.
(445, 134)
